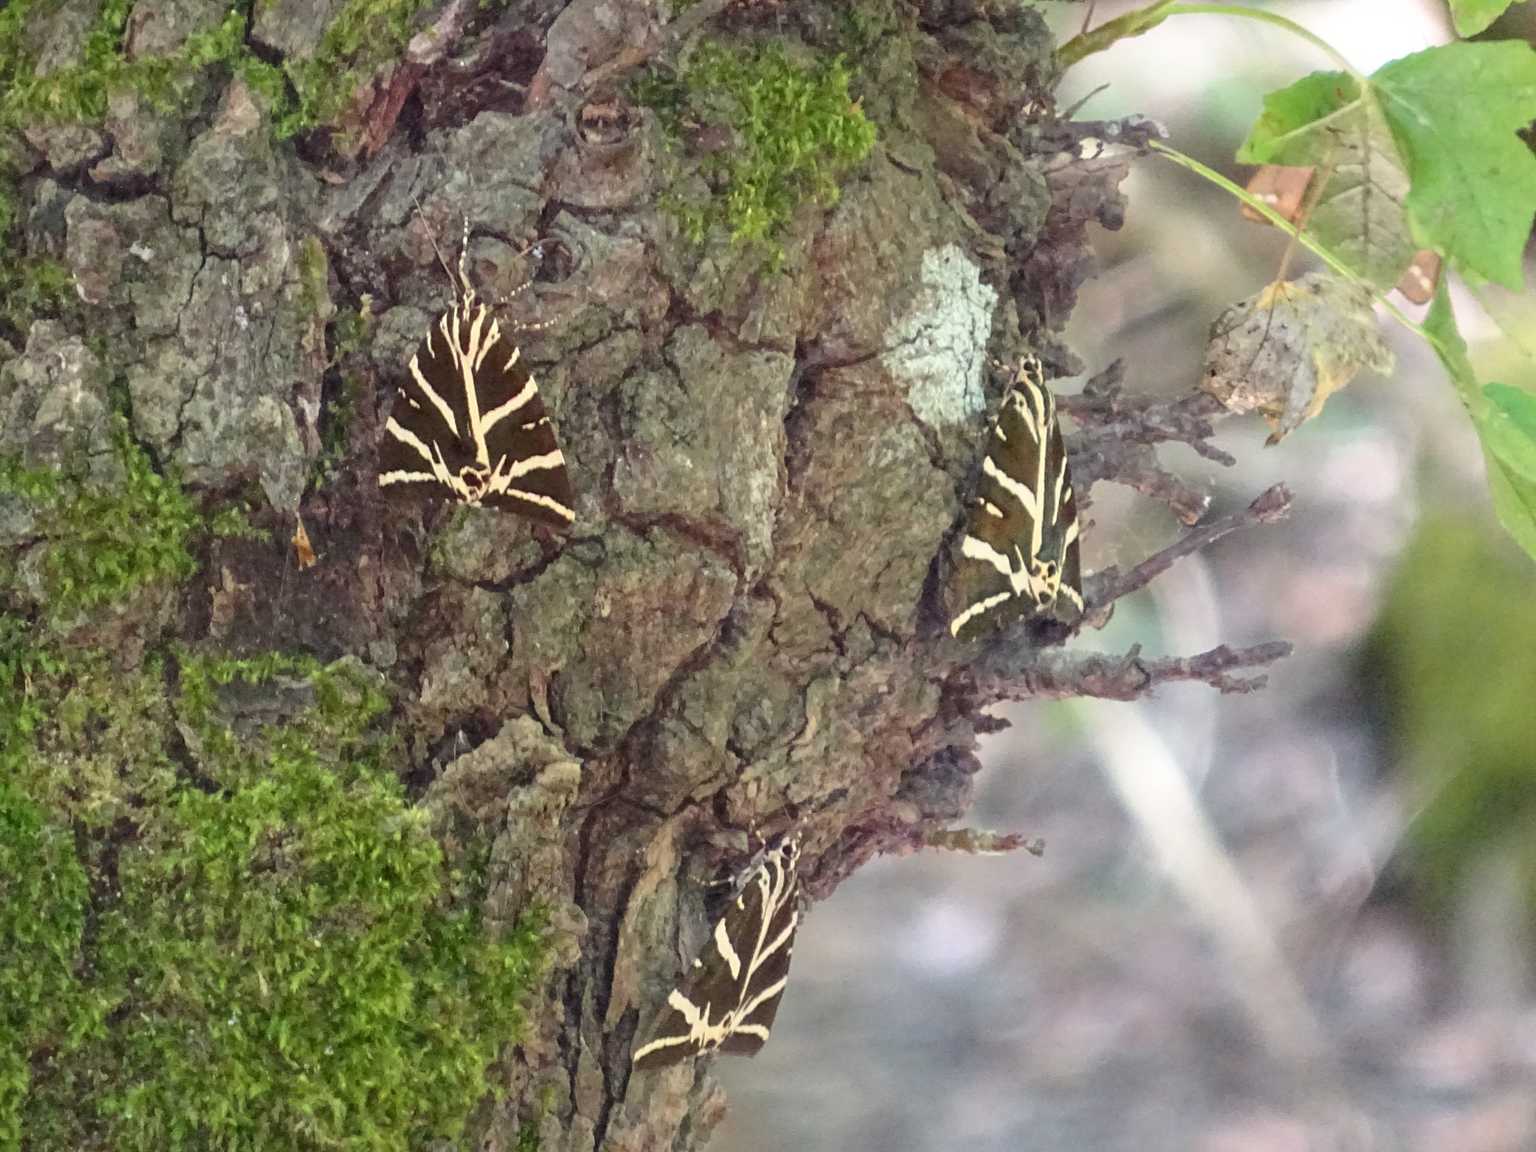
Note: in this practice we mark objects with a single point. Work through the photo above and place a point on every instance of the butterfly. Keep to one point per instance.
(1019, 555)
(727, 1000)
(468, 422)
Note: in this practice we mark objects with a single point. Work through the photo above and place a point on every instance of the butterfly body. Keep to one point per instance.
(1019, 556)
(730, 995)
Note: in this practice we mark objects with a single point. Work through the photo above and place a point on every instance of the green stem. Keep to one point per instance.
(1120, 28)
(1146, 19)
(1302, 237)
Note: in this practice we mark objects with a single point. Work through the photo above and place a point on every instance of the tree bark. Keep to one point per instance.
(744, 631)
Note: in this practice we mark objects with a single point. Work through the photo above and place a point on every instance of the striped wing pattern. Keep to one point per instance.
(468, 423)
(729, 997)
(1019, 556)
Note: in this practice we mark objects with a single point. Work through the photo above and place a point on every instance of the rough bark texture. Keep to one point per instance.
(744, 629)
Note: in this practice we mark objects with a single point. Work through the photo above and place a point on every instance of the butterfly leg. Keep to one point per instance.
(535, 247)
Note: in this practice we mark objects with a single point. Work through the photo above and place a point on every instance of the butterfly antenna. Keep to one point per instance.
(469, 291)
(432, 238)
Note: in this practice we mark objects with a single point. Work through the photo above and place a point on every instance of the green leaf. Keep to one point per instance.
(1505, 419)
(1330, 122)
(1455, 112)
(1440, 325)
(1423, 154)
(1509, 430)
(1514, 501)
(1473, 16)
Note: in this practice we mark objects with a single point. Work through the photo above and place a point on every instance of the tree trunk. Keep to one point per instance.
(744, 630)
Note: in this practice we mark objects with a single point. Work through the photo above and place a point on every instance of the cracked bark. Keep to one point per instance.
(744, 630)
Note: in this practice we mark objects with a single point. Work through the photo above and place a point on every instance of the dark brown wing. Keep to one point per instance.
(730, 996)
(1019, 555)
(467, 403)
(519, 438)
(426, 437)
(764, 984)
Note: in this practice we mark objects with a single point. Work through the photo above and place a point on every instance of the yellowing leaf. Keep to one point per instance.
(1285, 351)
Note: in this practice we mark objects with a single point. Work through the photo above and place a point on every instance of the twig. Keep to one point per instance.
(1109, 585)
(1054, 675)
(1105, 412)
(1118, 435)
(981, 842)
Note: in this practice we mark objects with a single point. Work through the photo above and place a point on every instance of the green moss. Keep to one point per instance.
(8, 209)
(527, 1136)
(301, 94)
(42, 918)
(105, 541)
(337, 712)
(33, 288)
(234, 523)
(364, 35)
(788, 133)
(349, 334)
(351, 330)
(95, 752)
(314, 276)
(290, 929)
(14, 64)
(277, 957)
(80, 92)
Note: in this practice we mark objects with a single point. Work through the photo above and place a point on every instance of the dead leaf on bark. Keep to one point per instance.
(1283, 352)
(303, 551)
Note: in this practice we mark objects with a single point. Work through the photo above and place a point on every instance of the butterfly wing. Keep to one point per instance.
(763, 988)
(1019, 556)
(467, 404)
(731, 994)
(426, 438)
(528, 468)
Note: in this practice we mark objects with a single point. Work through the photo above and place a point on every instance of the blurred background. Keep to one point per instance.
(1295, 921)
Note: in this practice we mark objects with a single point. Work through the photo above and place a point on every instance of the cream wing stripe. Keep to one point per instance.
(1019, 492)
(496, 415)
(727, 950)
(403, 434)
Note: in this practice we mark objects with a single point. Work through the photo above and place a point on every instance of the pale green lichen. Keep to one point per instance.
(938, 346)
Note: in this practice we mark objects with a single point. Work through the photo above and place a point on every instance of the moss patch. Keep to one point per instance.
(302, 93)
(769, 132)
(364, 35)
(79, 92)
(264, 950)
(42, 918)
(32, 288)
(106, 541)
